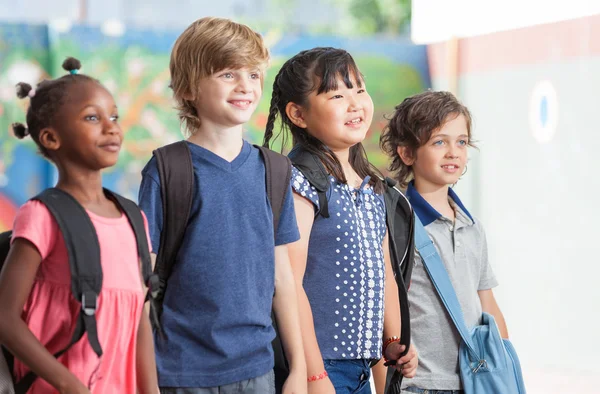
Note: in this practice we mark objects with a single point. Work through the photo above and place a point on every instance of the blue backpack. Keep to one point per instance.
(488, 364)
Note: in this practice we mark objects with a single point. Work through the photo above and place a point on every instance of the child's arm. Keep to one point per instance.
(407, 365)
(145, 363)
(379, 372)
(145, 358)
(285, 306)
(16, 281)
(298, 252)
(489, 305)
(487, 281)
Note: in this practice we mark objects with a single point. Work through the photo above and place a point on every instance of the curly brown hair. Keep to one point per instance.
(413, 123)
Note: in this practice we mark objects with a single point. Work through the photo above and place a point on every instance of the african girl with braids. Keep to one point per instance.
(346, 289)
(73, 121)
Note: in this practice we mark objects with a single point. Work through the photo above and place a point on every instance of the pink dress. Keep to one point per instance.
(51, 311)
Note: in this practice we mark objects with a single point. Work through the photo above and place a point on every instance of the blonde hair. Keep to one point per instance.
(207, 46)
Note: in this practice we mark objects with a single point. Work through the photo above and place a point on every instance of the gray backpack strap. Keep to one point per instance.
(176, 174)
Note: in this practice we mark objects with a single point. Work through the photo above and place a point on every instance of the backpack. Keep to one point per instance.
(83, 250)
(176, 174)
(400, 225)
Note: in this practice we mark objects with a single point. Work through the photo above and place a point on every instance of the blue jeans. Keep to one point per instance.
(424, 391)
(349, 376)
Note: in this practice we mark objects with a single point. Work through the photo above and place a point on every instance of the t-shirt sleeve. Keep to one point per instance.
(150, 201)
(302, 187)
(35, 223)
(287, 231)
(487, 278)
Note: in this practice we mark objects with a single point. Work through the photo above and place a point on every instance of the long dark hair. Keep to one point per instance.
(317, 69)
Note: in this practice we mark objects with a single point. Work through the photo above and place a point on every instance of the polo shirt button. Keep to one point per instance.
(457, 243)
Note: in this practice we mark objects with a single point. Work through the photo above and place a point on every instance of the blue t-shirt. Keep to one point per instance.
(345, 271)
(217, 306)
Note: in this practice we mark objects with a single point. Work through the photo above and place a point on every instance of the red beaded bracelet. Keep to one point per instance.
(387, 343)
(320, 376)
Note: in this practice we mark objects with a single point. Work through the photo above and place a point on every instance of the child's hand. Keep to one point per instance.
(406, 365)
(322, 386)
(295, 383)
(75, 387)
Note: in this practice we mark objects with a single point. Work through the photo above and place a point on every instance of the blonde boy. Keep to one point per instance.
(217, 306)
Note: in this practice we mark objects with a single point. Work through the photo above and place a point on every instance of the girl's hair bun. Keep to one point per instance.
(20, 130)
(23, 89)
(71, 64)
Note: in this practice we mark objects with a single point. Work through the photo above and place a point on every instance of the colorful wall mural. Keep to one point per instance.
(134, 67)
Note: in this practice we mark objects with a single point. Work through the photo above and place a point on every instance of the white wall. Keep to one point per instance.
(538, 202)
(538, 197)
(439, 20)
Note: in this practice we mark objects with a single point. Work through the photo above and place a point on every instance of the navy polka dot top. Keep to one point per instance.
(345, 271)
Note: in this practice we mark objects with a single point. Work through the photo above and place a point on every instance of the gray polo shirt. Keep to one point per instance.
(463, 249)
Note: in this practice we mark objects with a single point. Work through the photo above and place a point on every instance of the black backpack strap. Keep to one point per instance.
(314, 171)
(400, 224)
(23, 385)
(84, 255)
(136, 220)
(176, 173)
(4, 246)
(83, 250)
(278, 170)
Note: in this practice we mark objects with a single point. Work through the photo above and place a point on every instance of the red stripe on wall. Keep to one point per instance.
(547, 43)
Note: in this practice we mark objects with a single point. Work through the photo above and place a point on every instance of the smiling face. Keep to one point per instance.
(339, 118)
(228, 98)
(442, 159)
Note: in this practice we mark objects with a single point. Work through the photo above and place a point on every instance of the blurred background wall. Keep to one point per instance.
(126, 45)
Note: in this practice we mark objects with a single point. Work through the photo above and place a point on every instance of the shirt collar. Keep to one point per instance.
(426, 213)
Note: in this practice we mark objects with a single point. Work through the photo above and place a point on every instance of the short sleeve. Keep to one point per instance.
(150, 201)
(302, 187)
(487, 278)
(35, 223)
(287, 230)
